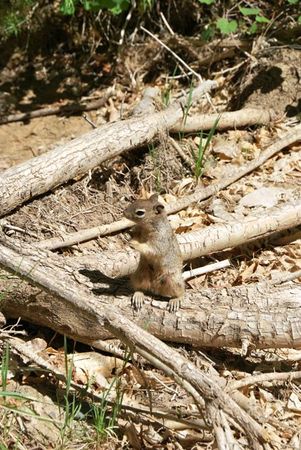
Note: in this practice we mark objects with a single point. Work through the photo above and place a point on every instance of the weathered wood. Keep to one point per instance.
(40, 269)
(68, 109)
(214, 238)
(38, 175)
(267, 316)
(231, 175)
(232, 119)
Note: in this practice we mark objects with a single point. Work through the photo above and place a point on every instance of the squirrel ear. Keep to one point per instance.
(154, 198)
(159, 208)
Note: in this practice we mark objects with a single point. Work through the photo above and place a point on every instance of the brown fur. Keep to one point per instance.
(160, 266)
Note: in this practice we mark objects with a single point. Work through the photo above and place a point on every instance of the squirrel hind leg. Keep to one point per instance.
(138, 300)
(174, 304)
(170, 285)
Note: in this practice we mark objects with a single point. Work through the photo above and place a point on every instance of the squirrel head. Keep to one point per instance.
(144, 209)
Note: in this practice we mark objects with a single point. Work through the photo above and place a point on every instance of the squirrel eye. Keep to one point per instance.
(140, 212)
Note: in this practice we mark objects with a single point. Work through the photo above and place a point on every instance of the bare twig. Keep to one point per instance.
(231, 175)
(262, 378)
(126, 22)
(188, 274)
(166, 23)
(86, 118)
(21, 349)
(199, 385)
(182, 154)
(233, 119)
(183, 63)
(64, 109)
(75, 158)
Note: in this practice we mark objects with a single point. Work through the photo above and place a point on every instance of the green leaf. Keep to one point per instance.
(120, 6)
(114, 6)
(67, 7)
(96, 5)
(293, 2)
(225, 26)
(249, 11)
(262, 19)
(207, 2)
(299, 19)
(208, 33)
(253, 28)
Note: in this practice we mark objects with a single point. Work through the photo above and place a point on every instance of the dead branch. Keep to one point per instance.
(69, 109)
(219, 237)
(180, 60)
(22, 351)
(190, 48)
(39, 271)
(181, 153)
(84, 235)
(231, 175)
(147, 104)
(273, 377)
(264, 315)
(228, 120)
(36, 176)
(208, 240)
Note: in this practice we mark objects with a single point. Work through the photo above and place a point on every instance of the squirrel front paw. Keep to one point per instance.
(137, 300)
(174, 304)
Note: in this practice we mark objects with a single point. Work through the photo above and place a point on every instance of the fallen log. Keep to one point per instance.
(260, 315)
(69, 109)
(66, 162)
(227, 120)
(214, 238)
(39, 269)
(231, 175)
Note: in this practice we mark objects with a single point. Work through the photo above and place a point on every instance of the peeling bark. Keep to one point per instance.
(263, 315)
(40, 269)
(38, 175)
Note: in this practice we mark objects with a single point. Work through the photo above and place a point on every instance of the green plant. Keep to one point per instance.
(5, 366)
(14, 14)
(199, 157)
(116, 7)
(104, 415)
(254, 16)
(188, 105)
(166, 94)
(245, 17)
(226, 26)
(72, 408)
(251, 18)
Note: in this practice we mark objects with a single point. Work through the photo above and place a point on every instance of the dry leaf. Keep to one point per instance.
(226, 149)
(267, 197)
(93, 366)
(294, 403)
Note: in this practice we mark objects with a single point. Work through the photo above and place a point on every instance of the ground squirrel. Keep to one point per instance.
(160, 265)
